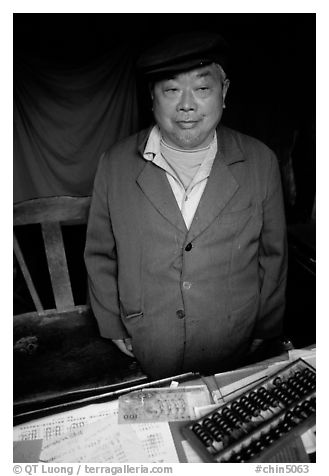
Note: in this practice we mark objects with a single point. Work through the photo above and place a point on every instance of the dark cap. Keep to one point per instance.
(183, 52)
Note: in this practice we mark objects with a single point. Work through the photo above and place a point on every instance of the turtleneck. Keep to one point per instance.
(185, 163)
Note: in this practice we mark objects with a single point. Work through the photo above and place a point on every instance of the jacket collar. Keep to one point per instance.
(228, 146)
(142, 139)
(220, 188)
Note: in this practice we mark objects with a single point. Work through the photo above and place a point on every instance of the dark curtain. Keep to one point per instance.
(76, 93)
(65, 116)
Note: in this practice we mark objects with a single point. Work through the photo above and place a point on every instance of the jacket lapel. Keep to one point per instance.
(154, 184)
(221, 185)
(220, 188)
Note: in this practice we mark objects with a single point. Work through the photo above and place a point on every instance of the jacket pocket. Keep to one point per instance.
(130, 315)
(237, 216)
(135, 315)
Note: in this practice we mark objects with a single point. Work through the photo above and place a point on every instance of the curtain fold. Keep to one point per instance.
(65, 117)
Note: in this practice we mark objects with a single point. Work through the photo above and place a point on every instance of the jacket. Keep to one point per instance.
(191, 300)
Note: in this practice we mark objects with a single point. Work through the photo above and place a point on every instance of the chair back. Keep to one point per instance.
(51, 214)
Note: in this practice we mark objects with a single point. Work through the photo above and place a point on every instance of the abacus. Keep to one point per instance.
(253, 426)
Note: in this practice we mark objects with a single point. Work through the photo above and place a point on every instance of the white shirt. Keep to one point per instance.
(187, 200)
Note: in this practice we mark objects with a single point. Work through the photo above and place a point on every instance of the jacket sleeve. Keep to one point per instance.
(101, 259)
(272, 258)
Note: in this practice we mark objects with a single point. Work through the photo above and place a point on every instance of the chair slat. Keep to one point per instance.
(27, 275)
(61, 208)
(57, 264)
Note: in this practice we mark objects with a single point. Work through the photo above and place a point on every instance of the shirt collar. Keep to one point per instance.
(152, 148)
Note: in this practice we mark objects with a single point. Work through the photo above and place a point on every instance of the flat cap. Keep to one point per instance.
(183, 52)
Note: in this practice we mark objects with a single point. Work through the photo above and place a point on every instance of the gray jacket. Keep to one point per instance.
(193, 307)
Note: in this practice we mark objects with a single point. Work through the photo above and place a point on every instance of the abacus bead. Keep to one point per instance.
(285, 426)
(196, 427)
(292, 393)
(299, 412)
(268, 397)
(236, 458)
(281, 396)
(266, 439)
(206, 420)
(221, 424)
(276, 433)
(273, 401)
(218, 435)
(248, 452)
(262, 403)
(244, 399)
(213, 430)
(295, 385)
(311, 404)
(305, 382)
(306, 406)
(307, 372)
(240, 411)
(207, 440)
(229, 415)
(301, 389)
(250, 408)
(263, 391)
(259, 445)
(254, 398)
(289, 415)
(216, 416)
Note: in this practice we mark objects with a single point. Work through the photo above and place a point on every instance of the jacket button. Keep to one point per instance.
(180, 314)
(188, 247)
(187, 285)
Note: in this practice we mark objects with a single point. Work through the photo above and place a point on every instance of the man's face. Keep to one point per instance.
(188, 107)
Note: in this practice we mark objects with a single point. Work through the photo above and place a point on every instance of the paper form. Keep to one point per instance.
(102, 441)
(157, 441)
(61, 423)
(154, 439)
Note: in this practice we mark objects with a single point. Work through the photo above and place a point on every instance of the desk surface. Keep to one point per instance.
(29, 449)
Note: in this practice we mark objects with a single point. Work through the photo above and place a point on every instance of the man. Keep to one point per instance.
(186, 245)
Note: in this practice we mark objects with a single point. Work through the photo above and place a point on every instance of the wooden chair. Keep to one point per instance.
(58, 351)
